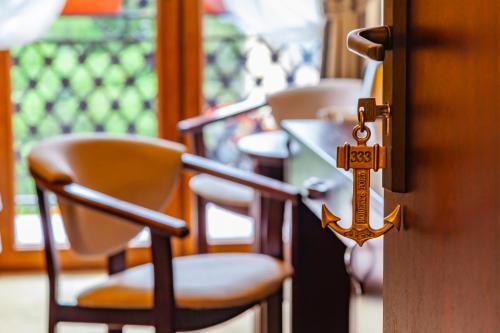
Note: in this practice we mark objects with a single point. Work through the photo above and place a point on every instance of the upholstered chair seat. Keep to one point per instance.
(221, 191)
(207, 281)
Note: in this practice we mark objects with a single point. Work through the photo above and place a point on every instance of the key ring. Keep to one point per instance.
(361, 139)
(361, 118)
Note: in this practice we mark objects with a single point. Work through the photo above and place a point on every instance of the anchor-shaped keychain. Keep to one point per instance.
(362, 159)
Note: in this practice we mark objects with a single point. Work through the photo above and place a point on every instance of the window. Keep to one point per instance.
(87, 74)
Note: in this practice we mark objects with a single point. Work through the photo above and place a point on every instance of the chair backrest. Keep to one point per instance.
(139, 170)
(305, 102)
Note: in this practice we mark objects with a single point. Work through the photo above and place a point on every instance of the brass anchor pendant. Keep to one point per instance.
(361, 159)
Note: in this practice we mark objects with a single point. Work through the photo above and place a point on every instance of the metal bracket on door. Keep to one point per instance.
(388, 44)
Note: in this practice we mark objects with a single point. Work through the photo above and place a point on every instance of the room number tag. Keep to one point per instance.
(361, 159)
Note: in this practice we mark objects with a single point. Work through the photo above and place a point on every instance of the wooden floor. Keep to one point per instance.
(23, 306)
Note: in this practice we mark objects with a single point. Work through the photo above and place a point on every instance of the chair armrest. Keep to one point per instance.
(271, 187)
(197, 123)
(110, 205)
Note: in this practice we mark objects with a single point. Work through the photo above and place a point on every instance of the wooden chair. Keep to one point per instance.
(108, 189)
(295, 103)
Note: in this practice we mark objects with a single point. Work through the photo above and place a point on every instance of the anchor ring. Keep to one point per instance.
(361, 139)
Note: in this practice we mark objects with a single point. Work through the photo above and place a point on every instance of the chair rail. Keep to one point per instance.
(93, 199)
(197, 123)
(271, 187)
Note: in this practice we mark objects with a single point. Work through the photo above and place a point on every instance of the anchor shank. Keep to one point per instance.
(361, 199)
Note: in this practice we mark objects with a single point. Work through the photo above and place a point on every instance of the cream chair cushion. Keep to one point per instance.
(205, 281)
(221, 191)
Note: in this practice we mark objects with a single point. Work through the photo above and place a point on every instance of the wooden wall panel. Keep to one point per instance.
(6, 156)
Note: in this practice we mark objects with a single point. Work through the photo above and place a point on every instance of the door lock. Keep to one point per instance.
(372, 111)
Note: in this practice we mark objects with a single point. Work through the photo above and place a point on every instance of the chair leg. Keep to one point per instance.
(164, 327)
(271, 314)
(52, 326)
(201, 218)
(253, 212)
(115, 328)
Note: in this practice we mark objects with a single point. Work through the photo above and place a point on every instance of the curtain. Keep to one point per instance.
(283, 21)
(342, 16)
(278, 21)
(23, 21)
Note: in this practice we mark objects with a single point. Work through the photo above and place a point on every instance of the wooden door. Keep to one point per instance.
(442, 269)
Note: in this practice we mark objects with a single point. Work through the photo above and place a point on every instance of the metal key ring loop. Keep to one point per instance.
(361, 118)
(361, 139)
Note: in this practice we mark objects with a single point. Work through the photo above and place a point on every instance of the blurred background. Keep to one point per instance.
(95, 70)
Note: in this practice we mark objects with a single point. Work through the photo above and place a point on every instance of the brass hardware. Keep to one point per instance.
(369, 111)
(370, 43)
(362, 158)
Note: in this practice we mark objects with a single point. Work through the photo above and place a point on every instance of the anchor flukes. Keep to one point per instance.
(361, 233)
(394, 218)
(327, 217)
